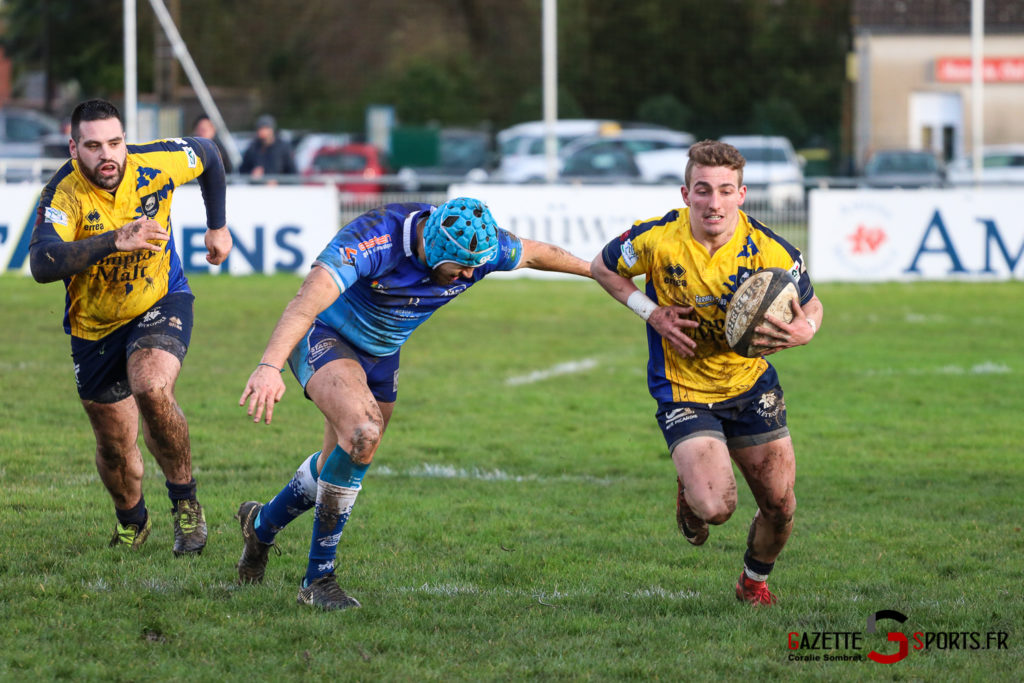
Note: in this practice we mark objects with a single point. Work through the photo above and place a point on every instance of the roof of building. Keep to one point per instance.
(931, 16)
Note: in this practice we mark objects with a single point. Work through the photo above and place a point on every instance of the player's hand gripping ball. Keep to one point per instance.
(767, 291)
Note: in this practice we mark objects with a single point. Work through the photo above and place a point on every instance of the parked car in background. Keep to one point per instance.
(27, 133)
(522, 146)
(1000, 164)
(627, 154)
(357, 168)
(907, 168)
(773, 171)
(306, 145)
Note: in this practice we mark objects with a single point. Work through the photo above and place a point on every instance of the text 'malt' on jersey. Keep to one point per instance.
(122, 285)
(679, 271)
(386, 291)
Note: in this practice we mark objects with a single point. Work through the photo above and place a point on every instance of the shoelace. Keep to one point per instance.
(188, 518)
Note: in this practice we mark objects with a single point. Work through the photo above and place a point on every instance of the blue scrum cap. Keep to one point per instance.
(461, 231)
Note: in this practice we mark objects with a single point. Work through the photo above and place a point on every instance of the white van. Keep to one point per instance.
(522, 146)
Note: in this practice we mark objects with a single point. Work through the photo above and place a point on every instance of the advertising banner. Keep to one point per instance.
(275, 229)
(910, 235)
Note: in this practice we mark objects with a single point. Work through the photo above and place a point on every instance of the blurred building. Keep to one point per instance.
(911, 75)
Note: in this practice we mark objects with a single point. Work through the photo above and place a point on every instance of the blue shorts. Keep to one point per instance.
(323, 344)
(754, 417)
(101, 365)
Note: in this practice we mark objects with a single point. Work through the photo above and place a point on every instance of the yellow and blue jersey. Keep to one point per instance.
(123, 285)
(680, 271)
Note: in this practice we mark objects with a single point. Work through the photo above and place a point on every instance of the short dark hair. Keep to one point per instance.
(714, 153)
(201, 117)
(92, 110)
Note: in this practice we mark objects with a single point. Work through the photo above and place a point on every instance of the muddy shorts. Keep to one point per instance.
(101, 365)
(323, 344)
(750, 419)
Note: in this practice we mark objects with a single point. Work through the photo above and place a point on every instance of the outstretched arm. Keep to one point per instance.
(544, 256)
(668, 321)
(265, 386)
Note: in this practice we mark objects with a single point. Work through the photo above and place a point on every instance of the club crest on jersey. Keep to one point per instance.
(151, 205)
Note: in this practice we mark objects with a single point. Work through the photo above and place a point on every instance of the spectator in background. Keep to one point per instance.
(267, 155)
(203, 127)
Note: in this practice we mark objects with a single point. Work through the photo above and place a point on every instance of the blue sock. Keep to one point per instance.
(295, 498)
(135, 515)
(340, 482)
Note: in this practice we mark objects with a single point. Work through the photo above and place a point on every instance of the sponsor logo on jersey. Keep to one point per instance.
(191, 154)
(705, 300)
(628, 255)
(452, 291)
(675, 275)
(95, 223)
(348, 256)
(57, 216)
(379, 243)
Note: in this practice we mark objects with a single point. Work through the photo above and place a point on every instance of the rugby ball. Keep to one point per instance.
(767, 291)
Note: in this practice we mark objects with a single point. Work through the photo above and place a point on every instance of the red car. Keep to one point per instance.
(360, 162)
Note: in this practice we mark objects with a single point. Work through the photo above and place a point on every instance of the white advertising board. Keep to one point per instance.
(275, 229)
(910, 235)
(580, 219)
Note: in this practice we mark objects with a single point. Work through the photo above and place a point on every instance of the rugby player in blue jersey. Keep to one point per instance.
(713, 404)
(381, 276)
(104, 228)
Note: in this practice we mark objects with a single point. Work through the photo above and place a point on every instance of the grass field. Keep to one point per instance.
(518, 522)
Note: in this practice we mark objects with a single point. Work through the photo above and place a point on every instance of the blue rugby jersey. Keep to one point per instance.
(386, 291)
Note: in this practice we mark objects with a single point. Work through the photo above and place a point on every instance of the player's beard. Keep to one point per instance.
(105, 182)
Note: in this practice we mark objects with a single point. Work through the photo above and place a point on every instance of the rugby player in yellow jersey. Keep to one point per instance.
(103, 227)
(714, 404)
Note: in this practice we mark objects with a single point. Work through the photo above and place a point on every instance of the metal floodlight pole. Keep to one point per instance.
(195, 79)
(977, 86)
(549, 20)
(131, 100)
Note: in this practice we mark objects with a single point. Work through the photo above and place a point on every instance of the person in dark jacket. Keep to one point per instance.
(267, 156)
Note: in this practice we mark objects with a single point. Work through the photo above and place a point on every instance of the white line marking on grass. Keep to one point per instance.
(568, 368)
(547, 598)
(986, 368)
(434, 471)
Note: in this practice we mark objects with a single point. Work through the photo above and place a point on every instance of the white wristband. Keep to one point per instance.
(814, 326)
(640, 304)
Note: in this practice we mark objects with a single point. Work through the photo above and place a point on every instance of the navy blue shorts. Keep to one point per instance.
(101, 365)
(754, 417)
(323, 344)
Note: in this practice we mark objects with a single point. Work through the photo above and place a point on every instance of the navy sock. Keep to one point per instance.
(296, 497)
(340, 483)
(178, 492)
(135, 515)
(756, 569)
